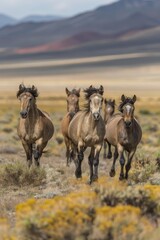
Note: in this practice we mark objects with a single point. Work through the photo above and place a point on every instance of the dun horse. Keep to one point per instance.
(35, 127)
(109, 109)
(72, 108)
(124, 132)
(87, 129)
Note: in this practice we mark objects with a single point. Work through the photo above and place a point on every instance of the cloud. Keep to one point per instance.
(19, 8)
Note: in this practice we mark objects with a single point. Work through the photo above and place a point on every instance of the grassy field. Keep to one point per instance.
(108, 209)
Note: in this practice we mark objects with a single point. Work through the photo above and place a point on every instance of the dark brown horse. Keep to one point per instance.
(124, 133)
(87, 129)
(109, 109)
(35, 127)
(72, 109)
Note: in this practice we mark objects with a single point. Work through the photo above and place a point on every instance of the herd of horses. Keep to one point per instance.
(82, 129)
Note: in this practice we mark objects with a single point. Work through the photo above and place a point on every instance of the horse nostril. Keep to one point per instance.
(128, 123)
(96, 116)
(23, 114)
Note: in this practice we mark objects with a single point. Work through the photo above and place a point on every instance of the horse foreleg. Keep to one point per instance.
(90, 162)
(38, 152)
(128, 165)
(80, 157)
(28, 150)
(122, 161)
(96, 162)
(112, 171)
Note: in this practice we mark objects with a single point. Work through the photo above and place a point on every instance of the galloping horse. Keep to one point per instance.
(124, 132)
(87, 129)
(35, 127)
(109, 109)
(72, 108)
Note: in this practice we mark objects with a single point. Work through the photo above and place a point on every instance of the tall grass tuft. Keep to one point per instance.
(17, 174)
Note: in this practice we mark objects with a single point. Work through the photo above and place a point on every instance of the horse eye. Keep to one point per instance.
(30, 99)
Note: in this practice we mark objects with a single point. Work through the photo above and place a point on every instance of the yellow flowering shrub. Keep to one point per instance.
(120, 222)
(59, 218)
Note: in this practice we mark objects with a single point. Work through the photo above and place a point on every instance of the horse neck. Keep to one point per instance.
(32, 114)
(93, 123)
(130, 130)
(107, 115)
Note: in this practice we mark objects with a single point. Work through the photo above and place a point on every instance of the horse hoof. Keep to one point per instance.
(109, 156)
(94, 178)
(37, 164)
(112, 173)
(78, 174)
(121, 177)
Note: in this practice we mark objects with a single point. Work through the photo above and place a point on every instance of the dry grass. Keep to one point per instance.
(55, 180)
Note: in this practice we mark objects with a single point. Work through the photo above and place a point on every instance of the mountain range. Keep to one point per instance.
(137, 21)
(6, 20)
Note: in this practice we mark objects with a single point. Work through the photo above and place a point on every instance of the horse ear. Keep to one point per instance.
(33, 87)
(134, 98)
(90, 86)
(105, 101)
(101, 90)
(78, 92)
(123, 98)
(113, 101)
(68, 92)
(21, 86)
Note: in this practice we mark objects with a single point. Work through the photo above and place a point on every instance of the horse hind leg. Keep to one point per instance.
(68, 153)
(109, 156)
(112, 171)
(105, 150)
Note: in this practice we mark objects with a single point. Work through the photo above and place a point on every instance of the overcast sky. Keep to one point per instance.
(21, 8)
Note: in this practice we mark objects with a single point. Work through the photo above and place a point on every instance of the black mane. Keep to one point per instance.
(75, 92)
(91, 90)
(33, 90)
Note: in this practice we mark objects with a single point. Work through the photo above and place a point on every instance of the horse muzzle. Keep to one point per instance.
(128, 124)
(24, 114)
(96, 116)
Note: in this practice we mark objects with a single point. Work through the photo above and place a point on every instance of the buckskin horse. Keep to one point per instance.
(124, 133)
(87, 129)
(35, 127)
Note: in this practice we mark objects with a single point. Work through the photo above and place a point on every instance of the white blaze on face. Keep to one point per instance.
(128, 108)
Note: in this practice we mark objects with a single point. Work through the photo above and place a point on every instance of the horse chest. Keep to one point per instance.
(30, 133)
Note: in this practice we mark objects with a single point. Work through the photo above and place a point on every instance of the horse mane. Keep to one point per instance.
(110, 102)
(75, 92)
(33, 90)
(127, 100)
(89, 92)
